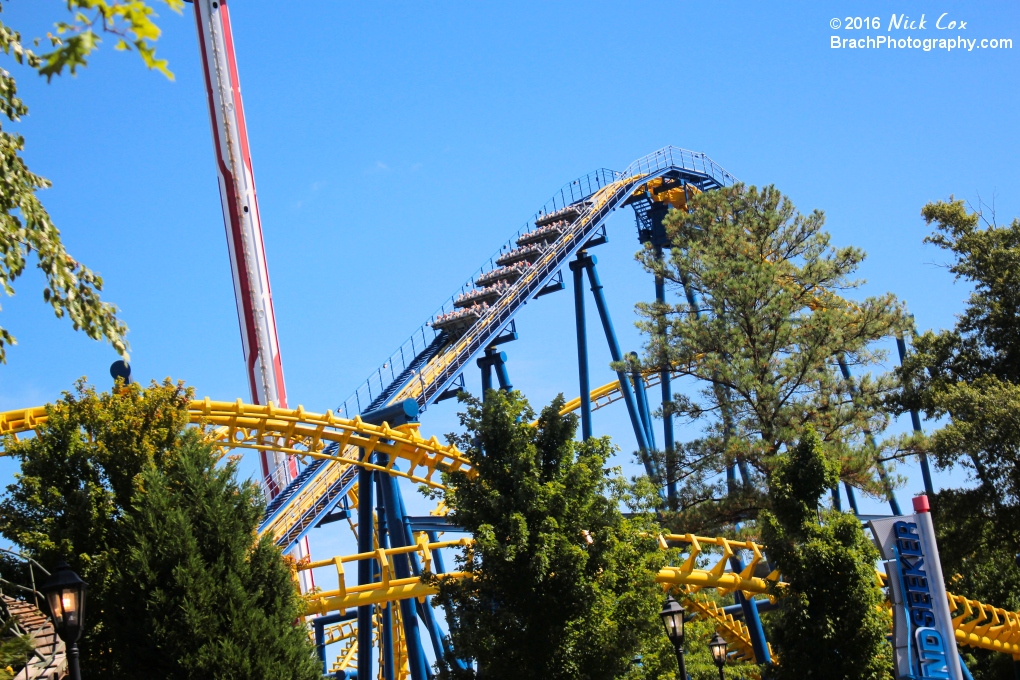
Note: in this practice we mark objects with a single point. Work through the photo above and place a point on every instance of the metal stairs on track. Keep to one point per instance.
(320, 508)
(295, 485)
(423, 358)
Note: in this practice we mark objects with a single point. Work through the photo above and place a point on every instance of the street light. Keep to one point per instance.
(65, 593)
(673, 619)
(718, 647)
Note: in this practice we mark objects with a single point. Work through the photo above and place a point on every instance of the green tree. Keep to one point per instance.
(829, 623)
(562, 584)
(71, 289)
(180, 586)
(764, 341)
(968, 377)
(14, 650)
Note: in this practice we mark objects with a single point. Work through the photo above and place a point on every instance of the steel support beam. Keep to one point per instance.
(386, 658)
(577, 268)
(401, 568)
(751, 619)
(883, 475)
(915, 421)
(640, 391)
(667, 396)
(617, 356)
(365, 532)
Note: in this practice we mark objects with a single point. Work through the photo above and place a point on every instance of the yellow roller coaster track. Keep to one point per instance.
(301, 433)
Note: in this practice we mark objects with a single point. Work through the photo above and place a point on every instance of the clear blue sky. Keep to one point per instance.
(397, 145)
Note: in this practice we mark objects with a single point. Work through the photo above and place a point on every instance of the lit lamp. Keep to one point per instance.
(718, 647)
(65, 593)
(673, 619)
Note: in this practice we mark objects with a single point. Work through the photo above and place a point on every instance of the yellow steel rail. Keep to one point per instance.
(389, 589)
(985, 626)
(300, 433)
(738, 638)
(305, 434)
(21, 420)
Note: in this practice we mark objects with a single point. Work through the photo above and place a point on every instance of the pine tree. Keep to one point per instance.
(830, 624)
(562, 585)
(762, 335)
(179, 585)
(198, 595)
(968, 379)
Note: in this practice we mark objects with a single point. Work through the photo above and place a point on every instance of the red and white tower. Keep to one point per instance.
(244, 233)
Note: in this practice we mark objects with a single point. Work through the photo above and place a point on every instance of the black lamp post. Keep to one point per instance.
(65, 593)
(718, 647)
(673, 619)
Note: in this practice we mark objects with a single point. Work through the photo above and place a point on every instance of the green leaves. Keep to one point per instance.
(179, 586)
(761, 333)
(130, 20)
(968, 378)
(72, 289)
(562, 584)
(830, 623)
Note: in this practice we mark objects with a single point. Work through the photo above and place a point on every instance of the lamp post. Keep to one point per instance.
(65, 593)
(673, 619)
(718, 647)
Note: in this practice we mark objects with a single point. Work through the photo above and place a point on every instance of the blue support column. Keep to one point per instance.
(365, 532)
(617, 356)
(486, 376)
(745, 473)
(319, 623)
(386, 658)
(851, 498)
(837, 502)
(731, 479)
(451, 622)
(577, 267)
(667, 396)
(915, 421)
(502, 376)
(494, 359)
(893, 503)
(440, 643)
(640, 391)
(751, 620)
(401, 569)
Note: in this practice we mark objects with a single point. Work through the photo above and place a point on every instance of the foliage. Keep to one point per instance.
(972, 373)
(831, 627)
(762, 332)
(562, 585)
(14, 650)
(130, 20)
(116, 483)
(71, 289)
(197, 598)
(969, 378)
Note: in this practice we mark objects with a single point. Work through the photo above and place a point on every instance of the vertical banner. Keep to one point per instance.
(924, 642)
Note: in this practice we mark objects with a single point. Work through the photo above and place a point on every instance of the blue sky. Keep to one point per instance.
(397, 145)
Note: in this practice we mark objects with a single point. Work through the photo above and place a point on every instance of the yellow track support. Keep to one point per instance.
(389, 589)
(21, 420)
(735, 633)
(984, 626)
(301, 433)
(305, 434)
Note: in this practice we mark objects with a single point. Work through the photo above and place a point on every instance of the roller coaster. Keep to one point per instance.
(381, 610)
